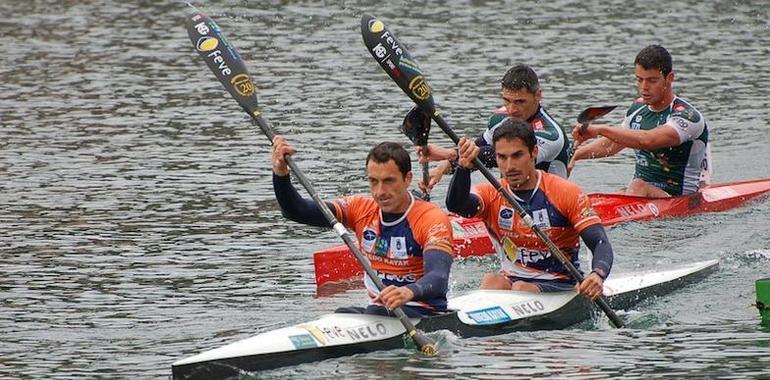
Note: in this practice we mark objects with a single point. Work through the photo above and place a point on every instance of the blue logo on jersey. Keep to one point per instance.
(505, 220)
(368, 239)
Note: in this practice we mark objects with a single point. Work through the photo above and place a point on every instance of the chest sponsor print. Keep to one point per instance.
(398, 247)
(541, 218)
(532, 256)
(381, 247)
(368, 241)
(505, 218)
(523, 255)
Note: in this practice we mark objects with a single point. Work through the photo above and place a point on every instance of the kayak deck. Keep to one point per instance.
(478, 313)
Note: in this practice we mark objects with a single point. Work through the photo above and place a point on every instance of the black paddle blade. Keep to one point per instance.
(593, 113)
(416, 126)
(396, 61)
(223, 59)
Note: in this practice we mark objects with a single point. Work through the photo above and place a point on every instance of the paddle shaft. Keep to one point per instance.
(601, 301)
(425, 172)
(226, 64)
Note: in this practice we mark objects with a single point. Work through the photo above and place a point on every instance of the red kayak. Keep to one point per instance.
(337, 264)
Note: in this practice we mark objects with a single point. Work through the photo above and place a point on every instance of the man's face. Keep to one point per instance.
(653, 86)
(520, 104)
(515, 161)
(388, 186)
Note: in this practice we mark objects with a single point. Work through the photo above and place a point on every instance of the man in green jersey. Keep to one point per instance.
(670, 135)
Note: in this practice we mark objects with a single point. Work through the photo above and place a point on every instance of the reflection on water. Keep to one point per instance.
(138, 223)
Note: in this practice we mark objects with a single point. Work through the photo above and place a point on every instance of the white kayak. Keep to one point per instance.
(477, 313)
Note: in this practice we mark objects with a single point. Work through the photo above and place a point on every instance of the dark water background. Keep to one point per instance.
(138, 226)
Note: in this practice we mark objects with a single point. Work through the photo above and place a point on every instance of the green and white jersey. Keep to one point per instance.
(553, 147)
(680, 169)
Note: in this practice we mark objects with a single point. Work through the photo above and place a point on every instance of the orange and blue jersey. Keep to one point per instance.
(395, 249)
(557, 206)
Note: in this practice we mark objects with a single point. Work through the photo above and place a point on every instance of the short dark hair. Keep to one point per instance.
(515, 129)
(521, 76)
(654, 57)
(384, 152)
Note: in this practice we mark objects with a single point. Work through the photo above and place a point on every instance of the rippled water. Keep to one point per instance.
(138, 224)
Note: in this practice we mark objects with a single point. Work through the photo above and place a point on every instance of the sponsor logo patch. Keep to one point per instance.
(398, 247)
(207, 43)
(376, 26)
(369, 237)
(541, 218)
(510, 249)
(419, 88)
(505, 218)
(381, 247)
(243, 85)
(302, 341)
(489, 316)
(526, 308)
(367, 332)
(380, 52)
(201, 27)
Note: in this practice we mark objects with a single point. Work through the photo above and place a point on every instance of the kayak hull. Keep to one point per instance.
(478, 313)
(618, 208)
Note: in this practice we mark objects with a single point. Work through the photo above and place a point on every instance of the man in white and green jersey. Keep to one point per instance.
(521, 94)
(553, 145)
(670, 135)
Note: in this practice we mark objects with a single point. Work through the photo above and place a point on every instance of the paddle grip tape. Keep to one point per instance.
(340, 229)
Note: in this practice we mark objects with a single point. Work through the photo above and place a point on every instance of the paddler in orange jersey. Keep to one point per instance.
(556, 205)
(408, 241)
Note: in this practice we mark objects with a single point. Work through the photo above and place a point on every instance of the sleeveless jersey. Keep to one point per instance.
(557, 206)
(554, 148)
(680, 169)
(395, 249)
